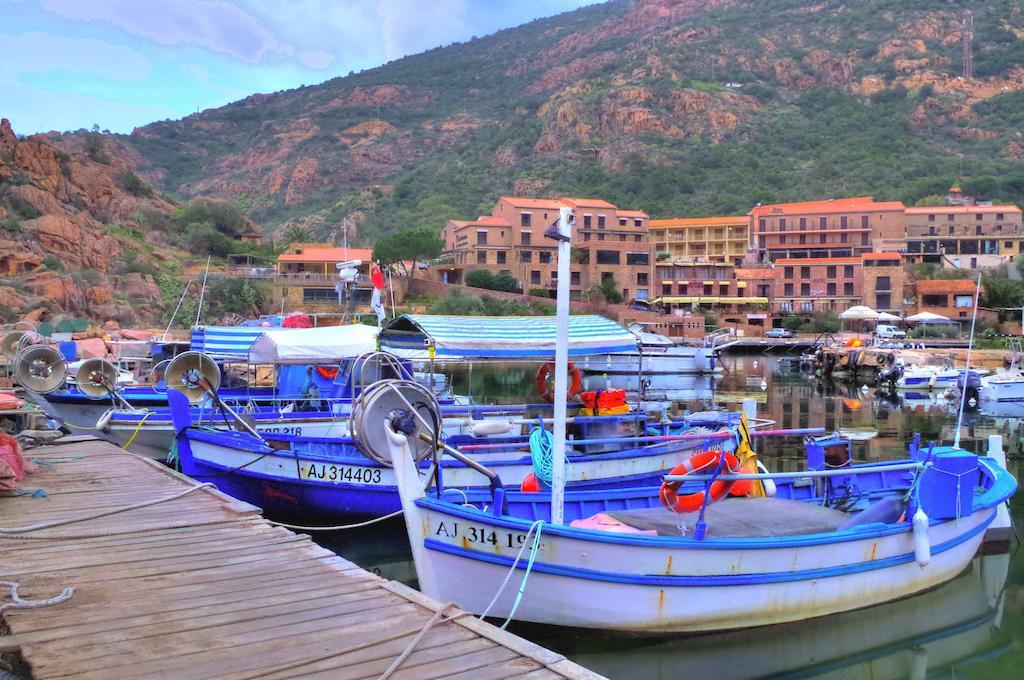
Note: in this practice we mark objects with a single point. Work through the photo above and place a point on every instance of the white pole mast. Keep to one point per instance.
(967, 366)
(202, 291)
(561, 365)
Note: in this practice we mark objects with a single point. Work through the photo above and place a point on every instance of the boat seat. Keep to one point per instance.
(739, 518)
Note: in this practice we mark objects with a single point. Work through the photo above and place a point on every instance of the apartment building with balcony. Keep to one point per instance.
(711, 239)
(834, 228)
(686, 287)
(884, 285)
(962, 236)
(608, 243)
(306, 275)
(809, 286)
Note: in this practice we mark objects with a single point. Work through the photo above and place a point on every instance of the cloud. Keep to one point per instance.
(412, 26)
(316, 59)
(216, 25)
(38, 52)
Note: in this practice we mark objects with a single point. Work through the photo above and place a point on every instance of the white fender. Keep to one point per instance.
(481, 428)
(769, 484)
(103, 424)
(922, 547)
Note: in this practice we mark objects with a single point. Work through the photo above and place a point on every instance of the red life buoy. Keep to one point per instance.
(707, 462)
(327, 372)
(547, 390)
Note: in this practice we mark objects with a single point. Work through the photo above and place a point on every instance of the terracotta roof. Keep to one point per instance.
(881, 256)
(819, 260)
(632, 213)
(835, 205)
(962, 209)
(954, 188)
(699, 221)
(933, 286)
(588, 203)
(324, 253)
(521, 202)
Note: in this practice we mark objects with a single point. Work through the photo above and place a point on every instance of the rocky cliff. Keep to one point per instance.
(70, 234)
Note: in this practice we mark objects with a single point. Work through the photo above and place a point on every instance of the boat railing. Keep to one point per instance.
(804, 474)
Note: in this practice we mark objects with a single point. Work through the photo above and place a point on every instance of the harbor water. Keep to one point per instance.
(972, 627)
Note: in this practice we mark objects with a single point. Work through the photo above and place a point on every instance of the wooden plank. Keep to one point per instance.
(202, 583)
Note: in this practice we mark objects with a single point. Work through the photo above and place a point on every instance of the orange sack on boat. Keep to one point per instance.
(13, 467)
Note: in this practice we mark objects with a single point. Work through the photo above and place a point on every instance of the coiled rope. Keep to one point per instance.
(541, 441)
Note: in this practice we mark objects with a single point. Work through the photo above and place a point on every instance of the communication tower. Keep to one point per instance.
(967, 40)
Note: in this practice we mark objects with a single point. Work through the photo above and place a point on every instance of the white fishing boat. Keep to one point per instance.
(656, 354)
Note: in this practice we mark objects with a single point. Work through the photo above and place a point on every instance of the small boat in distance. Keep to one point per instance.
(656, 354)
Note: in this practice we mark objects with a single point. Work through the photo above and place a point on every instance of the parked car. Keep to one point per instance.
(779, 333)
(887, 332)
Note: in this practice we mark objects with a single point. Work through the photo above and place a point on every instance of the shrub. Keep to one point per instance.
(10, 224)
(826, 323)
(482, 278)
(23, 207)
(133, 184)
(540, 292)
(710, 322)
(53, 263)
(792, 323)
(87, 276)
(610, 289)
(204, 239)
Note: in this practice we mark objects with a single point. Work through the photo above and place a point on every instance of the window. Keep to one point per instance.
(883, 283)
(535, 277)
(803, 239)
(607, 276)
(821, 238)
(622, 237)
(865, 239)
(666, 289)
(949, 217)
(481, 257)
(600, 237)
(481, 238)
(525, 256)
(977, 217)
(638, 222)
(805, 272)
(638, 238)
(848, 289)
(963, 301)
(586, 236)
(848, 271)
(863, 221)
(642, 259)
(608, 257)
(782, 239)
(822, 223)
(524, 219)
(600, 221)
(319, 296)
(931, 231)
(844, 238)
(788, 272)
(883, 301)
(586, 221)
(803, 223)
(709, 290)
(641, 279)
(805, 289)
(622, 221)
(830, 272)
(762, 224)
(782, 224)
(831, 290)
(1008, 245)
(524, 238)
(999, 217)
(931, 218)
(844, 222)
(502, 257)
(544, 258)
(574, 278)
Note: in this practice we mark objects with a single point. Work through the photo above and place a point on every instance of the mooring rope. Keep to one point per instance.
(18, 603)
(337, 527)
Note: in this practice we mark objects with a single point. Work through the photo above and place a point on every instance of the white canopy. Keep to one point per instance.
(929, 317)
(886, 316)
(325, 345)
(859, 312)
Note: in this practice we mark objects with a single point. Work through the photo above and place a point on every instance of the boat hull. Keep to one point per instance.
(673, 360)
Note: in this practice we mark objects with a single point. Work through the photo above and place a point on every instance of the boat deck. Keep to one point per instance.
(201, 586)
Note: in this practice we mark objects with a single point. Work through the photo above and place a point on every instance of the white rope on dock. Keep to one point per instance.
(18, 603)
(337, 527)
(433, 621)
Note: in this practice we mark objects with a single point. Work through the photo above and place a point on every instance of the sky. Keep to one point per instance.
(118, 64)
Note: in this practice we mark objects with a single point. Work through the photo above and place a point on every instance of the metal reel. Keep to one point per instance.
(40, 369)
(379, 403)
(9, 345)
(158, 372)
(188, 370)
(96, 378)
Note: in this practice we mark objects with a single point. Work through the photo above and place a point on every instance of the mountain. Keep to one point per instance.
(678, 107)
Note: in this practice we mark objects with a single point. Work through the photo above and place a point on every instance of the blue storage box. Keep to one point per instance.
(69, 350)
(946, 490)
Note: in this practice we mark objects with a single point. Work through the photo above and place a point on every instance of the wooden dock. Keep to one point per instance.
(202, 586)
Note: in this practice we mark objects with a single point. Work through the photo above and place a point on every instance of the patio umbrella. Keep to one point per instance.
(886, 316)
(929, 317)
(859, 313)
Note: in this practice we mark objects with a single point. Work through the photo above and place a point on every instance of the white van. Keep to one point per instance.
(889, 332)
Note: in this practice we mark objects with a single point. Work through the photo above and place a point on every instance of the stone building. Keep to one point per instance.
(962, 236)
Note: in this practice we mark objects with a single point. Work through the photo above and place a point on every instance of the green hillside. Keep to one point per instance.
(679, 108)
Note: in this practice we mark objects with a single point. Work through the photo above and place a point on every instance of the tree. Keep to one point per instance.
(297, 234)
(483, 278)
(998, 292)
(610, 289)
(408, 245)
(792, 322)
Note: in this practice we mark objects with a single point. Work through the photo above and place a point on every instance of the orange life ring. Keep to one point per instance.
(705, 461)
(327, 372)
(547, 390)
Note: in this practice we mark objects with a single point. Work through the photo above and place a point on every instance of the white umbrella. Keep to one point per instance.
(886, 316)
(929, 317)
(859, 312)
